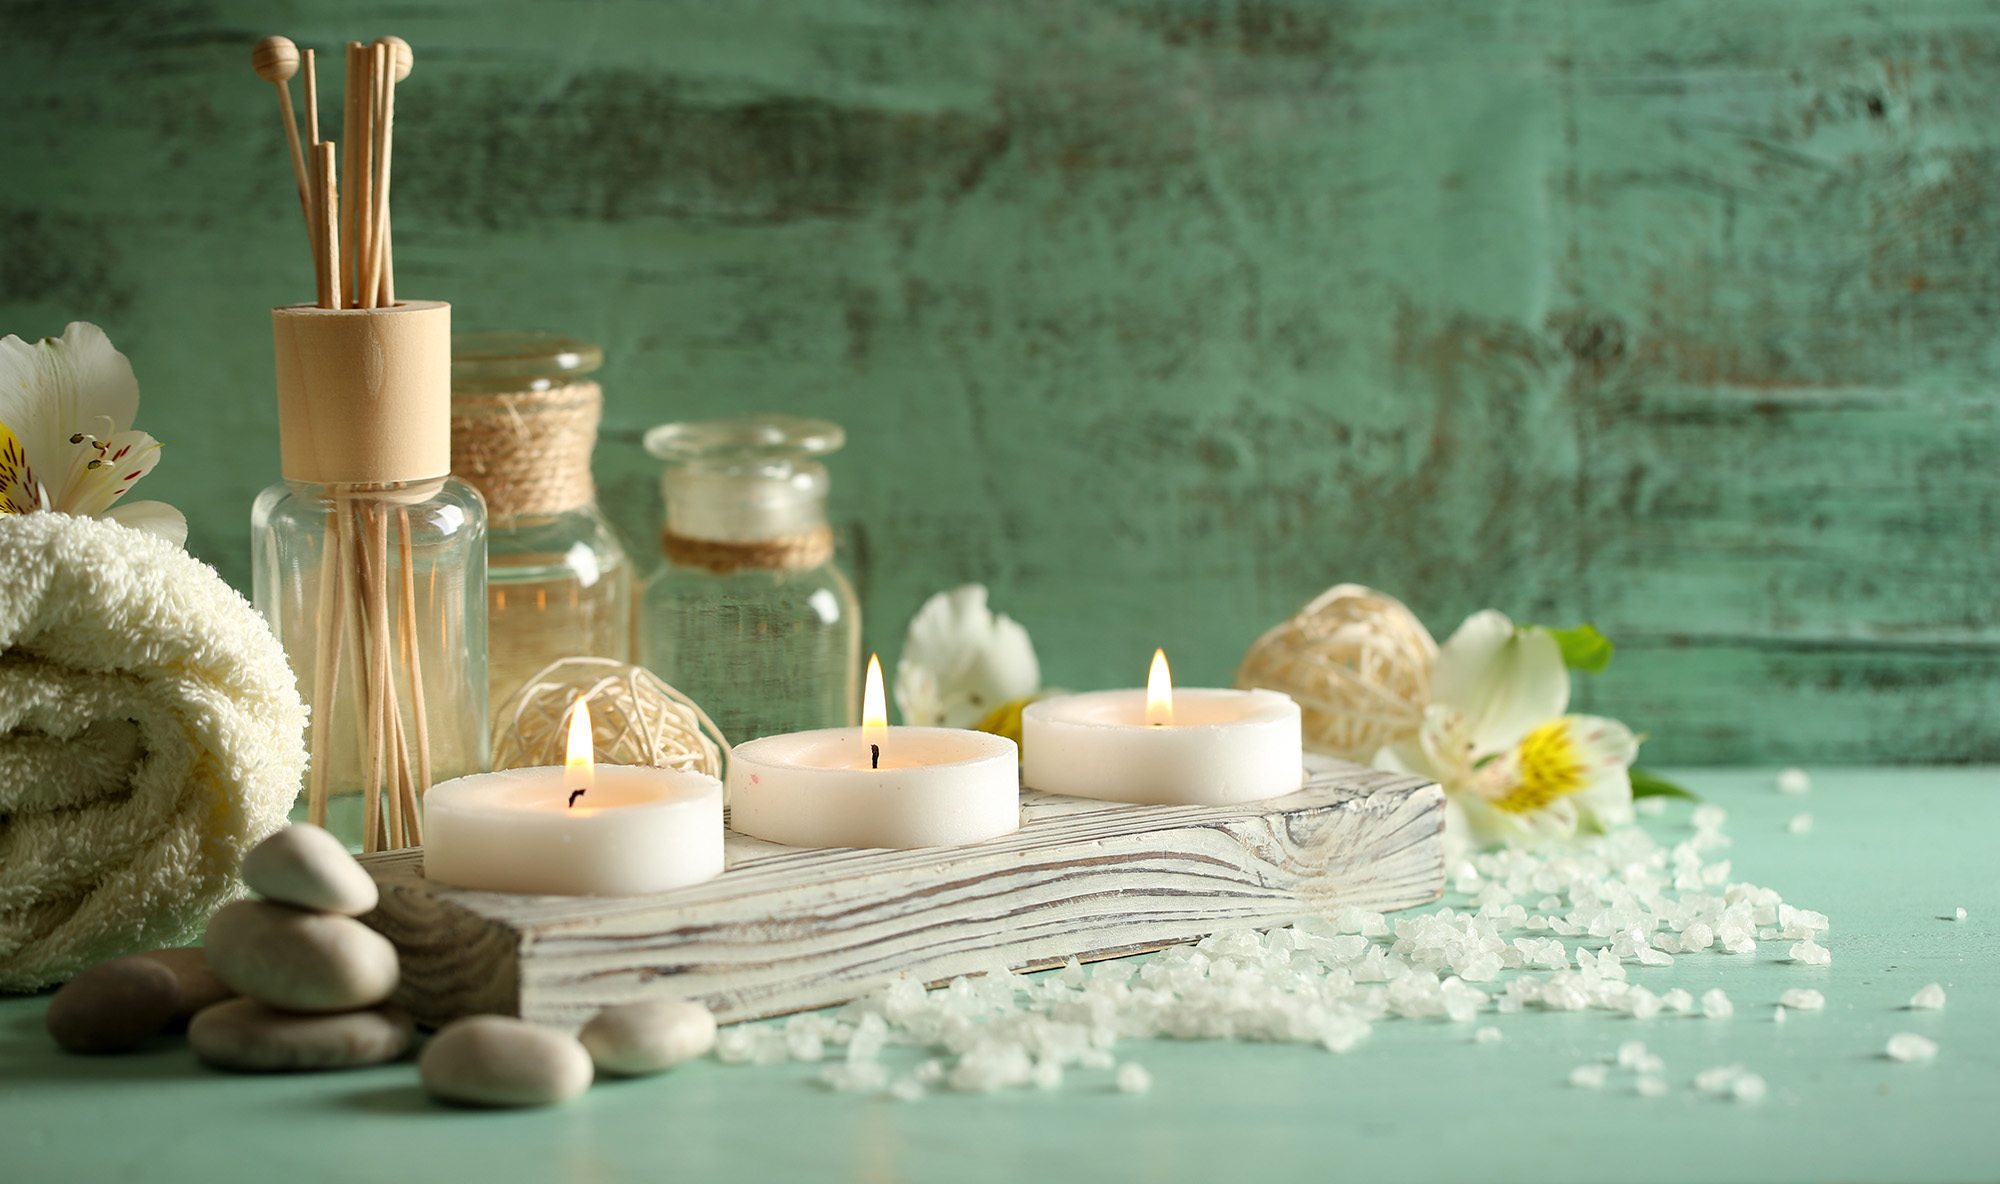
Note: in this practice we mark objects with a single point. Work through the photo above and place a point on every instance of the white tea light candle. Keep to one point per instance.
(1186, 746)
(579, 830)
(876, 786)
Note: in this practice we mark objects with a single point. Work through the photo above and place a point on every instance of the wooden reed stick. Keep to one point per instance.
(326, 666)
(312, 171)
(379, 89)
(364, 184)
(415, 663)
(276, 59)
(326, 221)
(350, 129)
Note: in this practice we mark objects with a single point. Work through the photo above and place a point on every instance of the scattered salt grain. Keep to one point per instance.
(907, 1089)
(1717, 1080)
(1651, 807)
(1802, 999)
(1133, 1078)
(1709, 817)
(1961, 915)
(1651, 1087)
(1800, 824)
(1589, 1076)
(1715, 1004)
(1486, 1036)
(1811, 953)
(1748, 1088)
(1778, 1014)
(1049, 1075)
(1931, 998)
(1908, 1046)
(1678, 1000)
(1632, 1054)
(1793, 781)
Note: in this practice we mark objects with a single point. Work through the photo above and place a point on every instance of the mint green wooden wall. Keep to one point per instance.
(1158, 316)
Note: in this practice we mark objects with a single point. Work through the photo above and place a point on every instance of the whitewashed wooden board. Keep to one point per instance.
(786, 929)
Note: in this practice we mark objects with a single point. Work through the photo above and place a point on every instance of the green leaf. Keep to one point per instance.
(1649, 785)
(1584, 648)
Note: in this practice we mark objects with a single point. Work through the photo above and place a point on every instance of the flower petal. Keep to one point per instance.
(974, 660)
(1504, 680)
(63, 385)
(152, 517)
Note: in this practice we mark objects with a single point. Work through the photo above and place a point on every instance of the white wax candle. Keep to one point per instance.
(633, 831)
(1224, 746)
(935, 787)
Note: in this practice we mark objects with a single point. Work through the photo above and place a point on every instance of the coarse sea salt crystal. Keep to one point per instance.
(1589, 1076)
(1133, 1078)
(1908, 1046)
(1709, 816)
(1678, 1000)
(1651, 1087)
(1486, 1036)
(1793, 781)
(1715, 1004)
(1961, 915)
(1651, 807)
(1930, 998)
(1748, 1088)
(1718, 1079)
(1800, 824)
(1811, 953)
(907, 1089)
(1778, 1014)
(1802, 999)
(1631, 1053)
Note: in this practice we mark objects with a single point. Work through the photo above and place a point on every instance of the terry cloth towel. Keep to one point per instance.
(150, 734)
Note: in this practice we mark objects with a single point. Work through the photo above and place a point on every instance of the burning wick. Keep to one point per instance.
(1159, 693)
(579, 774)
(874, 713)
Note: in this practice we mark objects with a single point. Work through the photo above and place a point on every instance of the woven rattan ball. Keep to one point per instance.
(1357, 662)
(635, 719)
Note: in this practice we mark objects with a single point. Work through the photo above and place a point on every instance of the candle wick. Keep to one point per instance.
(874, 756)
(573, 795)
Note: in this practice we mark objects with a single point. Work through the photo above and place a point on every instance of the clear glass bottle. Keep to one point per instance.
(369, 563)
(524, 421)
(378, 594)
(749, 616)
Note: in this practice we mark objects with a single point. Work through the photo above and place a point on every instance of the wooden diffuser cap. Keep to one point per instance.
(364, 394)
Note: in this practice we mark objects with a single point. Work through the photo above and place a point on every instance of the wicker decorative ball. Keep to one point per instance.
(1357, 662)
(635, 719)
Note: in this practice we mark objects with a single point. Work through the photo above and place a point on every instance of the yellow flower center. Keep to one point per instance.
(1549, 766)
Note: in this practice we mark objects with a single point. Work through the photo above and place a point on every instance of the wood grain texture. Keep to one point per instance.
(785, 929)
(1159, 316)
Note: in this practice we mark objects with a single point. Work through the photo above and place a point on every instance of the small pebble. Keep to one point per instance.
(114, 1006)
(634, 1039)
(1908, 1046)
(1793, 781)
(1486, 1036)
(1133, 1078)
(246, 1035)
(1652, 1087)
(1716, 1005)
(300, 961)
(1800, 824)
(1931, 998)
(494, 1060)
(1589, 1076)
(200, 987)
(305, 866)
(1802, 999)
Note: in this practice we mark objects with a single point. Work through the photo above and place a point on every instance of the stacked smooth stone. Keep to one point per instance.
(314, 981)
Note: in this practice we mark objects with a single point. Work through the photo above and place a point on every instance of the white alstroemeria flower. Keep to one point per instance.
(1515, 768)
(66, 438)
(961, 660)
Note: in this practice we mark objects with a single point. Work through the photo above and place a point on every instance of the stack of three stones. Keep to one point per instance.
(315, 982)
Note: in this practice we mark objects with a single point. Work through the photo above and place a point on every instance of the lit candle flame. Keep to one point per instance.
(1159, 693)
(874, 712)
(579, 773)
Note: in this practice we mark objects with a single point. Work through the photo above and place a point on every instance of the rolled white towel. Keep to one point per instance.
(150, 734)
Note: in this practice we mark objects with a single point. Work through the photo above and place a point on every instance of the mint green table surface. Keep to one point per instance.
(1892, 853)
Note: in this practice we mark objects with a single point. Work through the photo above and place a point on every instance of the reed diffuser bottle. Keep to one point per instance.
(369, 558)
(524, 415)
(749, 615)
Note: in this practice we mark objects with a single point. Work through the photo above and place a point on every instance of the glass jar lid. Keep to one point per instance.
(749, 479)
(519, 360)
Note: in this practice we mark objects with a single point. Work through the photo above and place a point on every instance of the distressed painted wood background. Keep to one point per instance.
(1159, 316)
